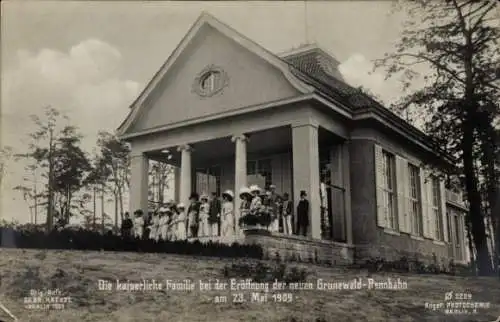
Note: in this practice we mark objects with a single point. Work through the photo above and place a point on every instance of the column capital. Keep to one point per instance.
(185, 147)
(303, 123)
(242, 137)
(137, 155)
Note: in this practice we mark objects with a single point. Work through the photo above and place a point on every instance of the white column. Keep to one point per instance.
(177, 187)
(139, 168)
(185, 182)
(240, 169)
(306, 172)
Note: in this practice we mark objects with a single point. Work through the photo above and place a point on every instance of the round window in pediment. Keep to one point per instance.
(210, 81)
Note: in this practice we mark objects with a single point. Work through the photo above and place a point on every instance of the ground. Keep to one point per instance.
(77, 273)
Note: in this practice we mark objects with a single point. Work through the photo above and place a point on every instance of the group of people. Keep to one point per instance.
(213, 216)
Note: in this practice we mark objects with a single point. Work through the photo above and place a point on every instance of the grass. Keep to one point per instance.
(77, 273)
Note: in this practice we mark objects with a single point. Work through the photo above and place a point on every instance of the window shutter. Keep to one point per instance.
(379, 183)
(423, 203)
(401, 186)
(431, 216)
(442, 200)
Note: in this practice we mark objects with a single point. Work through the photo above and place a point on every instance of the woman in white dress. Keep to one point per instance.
(172, 226)
(154, 227)
(162, 225)
(181, 222)
(227, 215)
(246, 198)
(138, 224)
(204, 212)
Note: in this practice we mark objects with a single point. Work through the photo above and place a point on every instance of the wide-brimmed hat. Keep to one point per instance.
(254, 188)
(181, 206)
(229, 194)
(163, 210)
(272, 186)
(245, 191)
(204, 196)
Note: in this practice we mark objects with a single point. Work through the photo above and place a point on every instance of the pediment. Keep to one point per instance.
(213, 71)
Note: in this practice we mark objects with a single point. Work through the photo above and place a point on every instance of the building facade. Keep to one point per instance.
(228, 113)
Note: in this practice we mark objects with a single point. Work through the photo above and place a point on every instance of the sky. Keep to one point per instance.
(91, 59)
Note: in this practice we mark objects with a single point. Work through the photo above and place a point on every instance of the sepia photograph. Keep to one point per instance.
(285, 161)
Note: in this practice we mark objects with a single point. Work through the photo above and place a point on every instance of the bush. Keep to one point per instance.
(90, 240)
(404, 264)
(263, 272)
(262, 218)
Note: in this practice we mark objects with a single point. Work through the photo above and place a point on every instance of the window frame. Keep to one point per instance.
(257, 169)
(415, 200)
(436, 208)
(389, 178)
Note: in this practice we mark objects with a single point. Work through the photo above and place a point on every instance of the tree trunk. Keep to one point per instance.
(120, 201)
(36, 200)
(475, 215)
(102, 209)
(94, 227)
(488, 149)
(470, 244)
(50, 204)
(116, 210)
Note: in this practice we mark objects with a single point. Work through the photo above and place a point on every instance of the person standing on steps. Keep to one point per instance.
(214, 217)
(204, 214)
(138, 224)
(127, 226)
(303, 214)
(287, 214)
(227, 216)
(194, 214)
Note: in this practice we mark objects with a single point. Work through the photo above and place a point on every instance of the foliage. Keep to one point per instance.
(456, 41)
(160, 174)
(415, 265)
(56, 159)
(89, 240)
(6, 154)
(263, 217)
(113, 167)
(265, 272)
(248, 220)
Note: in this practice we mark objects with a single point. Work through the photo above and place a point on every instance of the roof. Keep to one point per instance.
(321, 71)
(308, 68)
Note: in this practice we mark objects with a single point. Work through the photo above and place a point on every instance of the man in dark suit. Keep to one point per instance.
(214, 215)
(194, 214)
(303, 214)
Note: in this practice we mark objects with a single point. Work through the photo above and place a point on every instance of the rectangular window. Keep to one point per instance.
(251, 167)
(208, 180)
(262, 167)
(415, 209)
(458, 237)
(436, 208)
(389, 183)
(449, 222)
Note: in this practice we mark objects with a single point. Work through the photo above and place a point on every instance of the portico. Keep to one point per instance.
(231, 114)
(288, 135)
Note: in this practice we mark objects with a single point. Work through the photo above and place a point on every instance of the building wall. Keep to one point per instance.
(281, 171)
(370, 240)
(250, 81)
